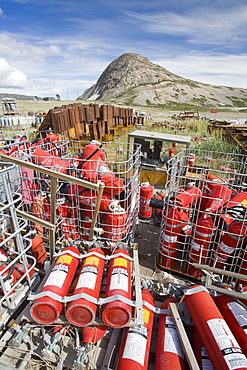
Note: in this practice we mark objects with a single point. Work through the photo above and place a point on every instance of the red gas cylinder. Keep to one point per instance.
(220, 195)
(135, 343)
(92, 334)
(117, 313)
(191, 159)
(169, 352)
(38, 211)
(239, 200)
(229, 241)
(46, 310)
(185, 198)
(171, 152)
(69, 220)
(234, 208)
(170, 236)
(200, 243)
(113, 185)
(146, 193)
(93, 161)
(43, 158)
(20, 270)
(236, 317)
(38, 250)
(114, 223)
(81, 312)
(226, 169)
(223, 350)
(199, 350)
(8, 276)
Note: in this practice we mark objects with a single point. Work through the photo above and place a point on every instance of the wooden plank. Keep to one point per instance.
(191, 359)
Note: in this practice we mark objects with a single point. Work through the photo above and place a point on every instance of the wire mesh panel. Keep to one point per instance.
(204, 214)
(16, 262)
(112, 164)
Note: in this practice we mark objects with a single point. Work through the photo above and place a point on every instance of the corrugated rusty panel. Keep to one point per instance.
(115, 111)
(110, 119)
(72, 133)
(92, 132)
(79, 129)
(81, 110)
(60, 122)
(122, 112)
(100, 129)
(96, 111)
(89, 114)
(76, 113)
(104, 112)
(70, 117)
(66, 119)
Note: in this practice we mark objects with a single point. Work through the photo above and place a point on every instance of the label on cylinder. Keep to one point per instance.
(135, 346)
(172, 342)
(206, 363)
(170, 238)
(119, 279)
(56, 278)
(225, 248)
(227, 344)
(195, 246)
(240, 314)
(87, 277)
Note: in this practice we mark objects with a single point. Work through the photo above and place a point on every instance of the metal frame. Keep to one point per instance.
(99, 187)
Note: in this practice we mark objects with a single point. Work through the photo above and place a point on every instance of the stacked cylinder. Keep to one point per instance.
(203, 222)
(75, 205)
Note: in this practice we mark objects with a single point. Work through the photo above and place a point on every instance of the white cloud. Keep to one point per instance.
(221, 69)
(204, 25)
(25, 50)
(10, 76)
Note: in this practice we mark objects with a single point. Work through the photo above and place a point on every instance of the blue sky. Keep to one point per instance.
(50, 47)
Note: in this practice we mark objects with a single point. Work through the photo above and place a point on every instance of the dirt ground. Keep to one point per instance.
(147, 238)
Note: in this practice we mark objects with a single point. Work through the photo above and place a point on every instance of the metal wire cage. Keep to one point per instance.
(112, 164)
(204, 214)
(16, 262)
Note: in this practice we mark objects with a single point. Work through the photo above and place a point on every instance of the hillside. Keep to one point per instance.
(133, 79)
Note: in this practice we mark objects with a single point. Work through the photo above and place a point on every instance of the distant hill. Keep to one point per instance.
(19, 96)
(133, 79)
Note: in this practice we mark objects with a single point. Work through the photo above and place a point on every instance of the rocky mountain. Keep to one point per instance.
(133, 79)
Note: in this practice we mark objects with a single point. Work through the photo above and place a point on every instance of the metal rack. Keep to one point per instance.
(17, 275)
(209, 226)
(74, 207)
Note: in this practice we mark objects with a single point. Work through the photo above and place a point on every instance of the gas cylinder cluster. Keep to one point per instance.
(75, 204)
(203, 221)
(215, 325)
(75, 283)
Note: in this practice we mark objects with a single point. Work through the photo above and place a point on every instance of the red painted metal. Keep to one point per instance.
(117, 313)
(46, 310)
(81, 312)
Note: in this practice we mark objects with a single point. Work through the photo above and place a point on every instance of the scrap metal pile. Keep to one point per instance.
(92, 309)
(89, 121)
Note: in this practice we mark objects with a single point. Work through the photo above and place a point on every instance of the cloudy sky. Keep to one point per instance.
(50, 47)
